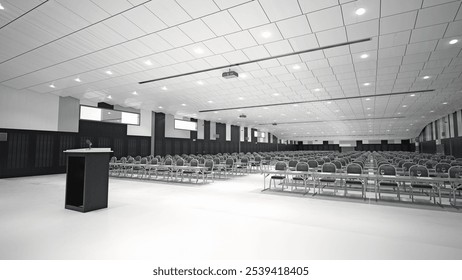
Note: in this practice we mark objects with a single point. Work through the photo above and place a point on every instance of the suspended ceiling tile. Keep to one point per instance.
(249, 15)
(278, 10)
(197, 9)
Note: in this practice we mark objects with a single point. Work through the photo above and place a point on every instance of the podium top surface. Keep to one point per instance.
(89, 151)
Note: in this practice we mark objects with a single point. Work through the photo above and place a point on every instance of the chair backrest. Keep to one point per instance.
(180, 162)
(456, 163)
(455, 172)
(209, 164)
(431, 164)
(257, 159)
(229, 162)
(130, 160)
(407, 165)
(138, 158)
(280, 165)
(415, 169)
(292, 163)
(144, 160)
(244, 159)
(354, 168)
(387, 170)
(320, 161)
(302, 166)
(312, 163)
(154, 161)
(422, 161)
(216, 160)
(342, 161)
(194, 162)
(442, 167)
(329, 167)
(168, 161)
(326, 159)
(401, 163)
(337, 163)
(303, 160)
(123, 159)
(201, 160)
(113, 159)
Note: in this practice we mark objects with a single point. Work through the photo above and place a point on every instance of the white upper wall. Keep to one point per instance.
(144, 129)
(23, 109)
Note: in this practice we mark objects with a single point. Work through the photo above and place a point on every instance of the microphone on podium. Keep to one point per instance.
(88, 143)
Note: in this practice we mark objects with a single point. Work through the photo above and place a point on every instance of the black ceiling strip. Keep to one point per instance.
(257, 60)
(341, 120)
(8, 23)
(319, 100)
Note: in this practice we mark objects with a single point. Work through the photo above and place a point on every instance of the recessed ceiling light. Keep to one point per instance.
(266, 108)
(275, 94)
(198, 50)
(210, 101)
(368, 99)
(407, 129)
(360, 11)
(183, 104)
(296, 67)
(404, 106)
(164, 88)
(445, 103)
(135, 93)
(426, 77)
(108, 113)
(160, 107)
(413, 94)
(432, 111)
(200, 82)
(368, 115)
(109, 72)
(240, 98)
(239, 110)
(52, 86)
(109, 97)
(1, 7)
(411, 124)
(266, 34)
(317, 89)
(368, 108)
(215, 112)
(364, 55)
(366, 84)
(453, 41)
(295, 105)
(77, 80)
(388, 130)
(148, 62)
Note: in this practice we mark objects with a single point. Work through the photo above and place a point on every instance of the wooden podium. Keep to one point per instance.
(87, 179)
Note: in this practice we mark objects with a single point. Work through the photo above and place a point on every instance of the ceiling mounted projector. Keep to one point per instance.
(242, 116)
(230, 74)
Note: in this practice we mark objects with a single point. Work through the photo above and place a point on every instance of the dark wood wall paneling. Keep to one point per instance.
(384, 146)
(32, 152)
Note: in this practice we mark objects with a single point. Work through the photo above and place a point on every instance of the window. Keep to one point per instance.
(185, 125)
(106, 115)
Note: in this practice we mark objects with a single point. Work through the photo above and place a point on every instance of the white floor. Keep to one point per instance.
(225, 220)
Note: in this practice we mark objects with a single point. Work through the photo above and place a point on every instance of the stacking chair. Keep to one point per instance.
(406, 166)
(209, 171)
(313, 164)
(113, 166)
(140, 167)
(282, 167)
(154, 161)
(442, 169)
(355, 168)
(387, 184)
(301, 166)
(292, 164)
(455, 172)
(244, 165)
(190, 172)
(256, 164)
(338, 165)
(421, 171)
(165, 169)
(328, 168)
(179, 162)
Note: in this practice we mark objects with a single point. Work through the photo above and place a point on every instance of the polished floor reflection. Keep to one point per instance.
(228, 219)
